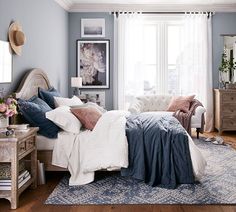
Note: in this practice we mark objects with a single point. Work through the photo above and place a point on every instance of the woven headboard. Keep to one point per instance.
(31, 82)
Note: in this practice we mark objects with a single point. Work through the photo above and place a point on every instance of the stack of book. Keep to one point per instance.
(5, 184)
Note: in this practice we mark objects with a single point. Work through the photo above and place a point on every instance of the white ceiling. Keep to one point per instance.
(147, 5)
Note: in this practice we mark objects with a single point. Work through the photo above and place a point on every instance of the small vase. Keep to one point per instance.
(4, 122)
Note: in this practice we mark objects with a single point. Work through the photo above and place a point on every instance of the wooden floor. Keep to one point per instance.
(33, 200)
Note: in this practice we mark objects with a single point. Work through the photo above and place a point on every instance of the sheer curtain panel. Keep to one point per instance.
(195, 62)
(128, 77)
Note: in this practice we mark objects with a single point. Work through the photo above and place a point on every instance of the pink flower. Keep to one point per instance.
(3, 107)
(9, 113)
(8, 107)
(9, 101)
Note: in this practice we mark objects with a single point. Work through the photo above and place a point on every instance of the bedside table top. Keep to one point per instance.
(18, 135)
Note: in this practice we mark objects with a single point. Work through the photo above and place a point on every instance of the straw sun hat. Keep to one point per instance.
(16, 37)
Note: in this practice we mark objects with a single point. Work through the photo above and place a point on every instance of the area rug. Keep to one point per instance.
(218, 186)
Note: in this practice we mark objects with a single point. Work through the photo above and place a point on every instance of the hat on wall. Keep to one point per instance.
(16, 37)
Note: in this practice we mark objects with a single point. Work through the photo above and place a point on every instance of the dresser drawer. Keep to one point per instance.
(228, 97)
(229, 110)
(229, 123)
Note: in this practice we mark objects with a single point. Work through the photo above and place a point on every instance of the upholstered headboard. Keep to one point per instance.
(31, 82)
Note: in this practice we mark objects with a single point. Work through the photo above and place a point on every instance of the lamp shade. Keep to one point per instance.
(76, 82)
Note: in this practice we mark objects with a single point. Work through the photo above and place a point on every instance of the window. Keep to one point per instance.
(161, 51)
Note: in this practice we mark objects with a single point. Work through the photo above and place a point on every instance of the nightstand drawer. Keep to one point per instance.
(21, 148)
(30, 142)
(26, 144)
(228, 97)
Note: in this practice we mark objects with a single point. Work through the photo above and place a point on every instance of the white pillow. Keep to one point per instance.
(64, 119)
(90, 104)
(60, 101)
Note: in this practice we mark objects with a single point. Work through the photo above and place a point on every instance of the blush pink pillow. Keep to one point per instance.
(88, 116)
(180, 103)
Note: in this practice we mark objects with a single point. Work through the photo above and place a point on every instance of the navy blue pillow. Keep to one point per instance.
(34, 111)
(48, 96)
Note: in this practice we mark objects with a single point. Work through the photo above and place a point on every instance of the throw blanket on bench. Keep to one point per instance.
(185, 118)
(158, 151)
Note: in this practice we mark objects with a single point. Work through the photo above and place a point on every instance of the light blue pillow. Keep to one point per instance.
(48, 96)
(34, 111)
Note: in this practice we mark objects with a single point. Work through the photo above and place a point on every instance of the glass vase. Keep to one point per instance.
(4, 122)
(224, 79)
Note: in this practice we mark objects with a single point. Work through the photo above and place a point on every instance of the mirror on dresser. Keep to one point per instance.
(5, 62)
(230, 57)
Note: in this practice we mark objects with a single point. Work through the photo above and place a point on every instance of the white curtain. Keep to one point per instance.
(195, 62)
(128, 59)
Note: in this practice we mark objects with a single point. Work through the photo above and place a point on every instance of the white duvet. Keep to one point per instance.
(105, 147)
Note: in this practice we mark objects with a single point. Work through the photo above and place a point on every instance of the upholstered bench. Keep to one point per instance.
(159, 104)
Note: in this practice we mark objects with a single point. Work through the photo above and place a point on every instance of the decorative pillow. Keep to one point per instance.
(90, 104)
(64, 119)
(88, 116)
(48, 96)
(60, 101)
(34, 111)
(180, 103)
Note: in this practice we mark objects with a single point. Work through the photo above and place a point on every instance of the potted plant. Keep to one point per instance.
(226, 69)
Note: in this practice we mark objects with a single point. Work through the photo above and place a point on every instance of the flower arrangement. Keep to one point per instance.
(8, 107)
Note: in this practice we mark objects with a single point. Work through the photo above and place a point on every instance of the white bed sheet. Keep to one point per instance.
(44, 143)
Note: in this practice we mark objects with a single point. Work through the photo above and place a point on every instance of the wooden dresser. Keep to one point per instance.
(225, 109)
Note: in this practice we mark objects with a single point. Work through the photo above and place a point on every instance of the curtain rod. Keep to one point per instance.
(208, 13)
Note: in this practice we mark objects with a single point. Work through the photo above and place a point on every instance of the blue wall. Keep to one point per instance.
(74, 34)
(51, 41)
(45, 25)
(222, 23)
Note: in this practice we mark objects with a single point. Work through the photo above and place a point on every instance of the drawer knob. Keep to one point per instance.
(232, 98)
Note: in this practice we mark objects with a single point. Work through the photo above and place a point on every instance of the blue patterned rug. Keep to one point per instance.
(218, 186)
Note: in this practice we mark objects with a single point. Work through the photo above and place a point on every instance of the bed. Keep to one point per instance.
(88, 143)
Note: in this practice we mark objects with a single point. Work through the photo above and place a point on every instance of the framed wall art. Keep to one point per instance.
(93, 28)
(93, 63)
(97, 97)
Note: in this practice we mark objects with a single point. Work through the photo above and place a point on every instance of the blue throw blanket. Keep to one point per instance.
(158, 151)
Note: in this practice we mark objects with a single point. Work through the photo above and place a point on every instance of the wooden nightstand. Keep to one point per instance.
(12, 150)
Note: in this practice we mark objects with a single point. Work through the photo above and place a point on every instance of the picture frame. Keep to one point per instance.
(93, 28)
(93, 63)
(97, 97)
